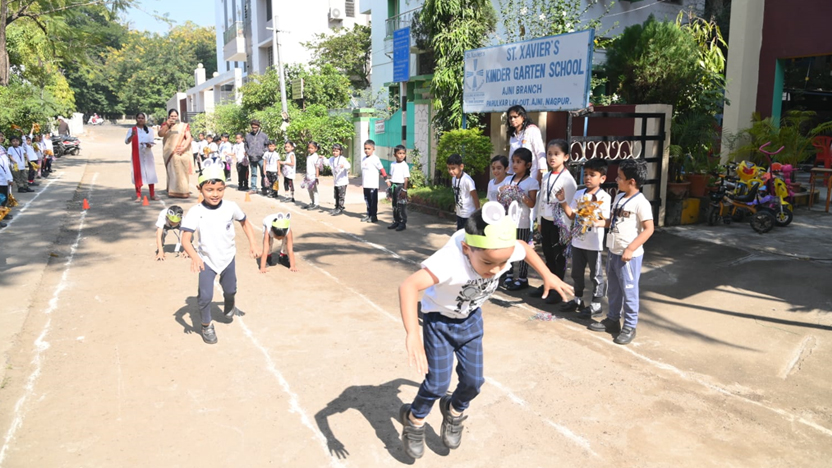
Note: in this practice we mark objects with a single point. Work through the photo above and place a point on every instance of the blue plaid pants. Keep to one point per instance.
(443, 338)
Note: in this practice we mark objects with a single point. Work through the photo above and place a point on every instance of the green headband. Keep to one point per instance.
(281, 221)
(501, 231)
(211, 172)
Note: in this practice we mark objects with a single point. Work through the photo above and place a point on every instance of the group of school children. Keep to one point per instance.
(491, 246)
(26, 159)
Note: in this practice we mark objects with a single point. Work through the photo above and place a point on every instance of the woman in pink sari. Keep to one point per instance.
(176, 144)
(141, 139)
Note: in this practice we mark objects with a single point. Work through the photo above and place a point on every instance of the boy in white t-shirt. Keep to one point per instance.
(314, 163)
(201, 145)
(397, 184)
(630, 226)
(553, 224)
(214, 219)
(466, 200)
(276, 227)
(271, 163)
(239, 150)
(226, 151)
(340, 166)
(370, 168)
(456, 281)
(170, 219)
(591, 206)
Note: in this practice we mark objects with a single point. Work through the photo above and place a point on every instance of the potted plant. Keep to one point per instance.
(678, 187)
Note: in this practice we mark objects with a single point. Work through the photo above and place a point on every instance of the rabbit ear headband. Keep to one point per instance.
(281, 221)
(501, 231)
(211, 172)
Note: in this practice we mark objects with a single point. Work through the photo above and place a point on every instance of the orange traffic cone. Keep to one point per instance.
(144, 201)
(86, 204)
(248, 197)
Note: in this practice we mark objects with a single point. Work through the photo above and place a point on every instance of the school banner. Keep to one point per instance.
(546, 74)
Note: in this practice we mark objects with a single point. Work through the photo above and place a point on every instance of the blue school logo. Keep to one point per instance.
(475, 78)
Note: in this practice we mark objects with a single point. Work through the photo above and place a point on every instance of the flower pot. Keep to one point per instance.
(678, 190)
(698, 185)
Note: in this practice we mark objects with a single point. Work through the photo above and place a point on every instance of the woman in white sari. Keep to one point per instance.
(176, 146)
(141, 139)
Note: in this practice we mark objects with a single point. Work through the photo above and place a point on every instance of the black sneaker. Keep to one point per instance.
(393, 226)
(336, 212)
(401, 227)
(517, 285)
(373, 220)
(572, 305)
(365, 219)
(538, 292)
(607, 325)
(592, 310)
(451, 431)
(626, 336)
(553, 297)
(2, 225)
(208, 334)
(413, 438)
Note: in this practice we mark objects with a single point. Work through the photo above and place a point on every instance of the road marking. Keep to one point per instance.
(804, 350)
(667, 367)
(41, 345)
(29, 203)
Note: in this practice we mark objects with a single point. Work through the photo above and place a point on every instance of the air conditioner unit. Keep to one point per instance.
(336, 13)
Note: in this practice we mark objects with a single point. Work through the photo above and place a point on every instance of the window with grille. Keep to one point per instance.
(270, 60)
(349, 9)
(268, 10)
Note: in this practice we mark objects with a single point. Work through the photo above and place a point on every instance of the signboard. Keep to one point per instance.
(401, 55)
(546, 74)
(379, 126)
(297, 89)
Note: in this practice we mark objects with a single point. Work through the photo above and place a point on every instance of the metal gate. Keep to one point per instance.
(649, 147)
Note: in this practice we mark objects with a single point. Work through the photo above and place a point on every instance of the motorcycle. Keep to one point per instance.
(95, 120)
(742, 199)
(65, 145)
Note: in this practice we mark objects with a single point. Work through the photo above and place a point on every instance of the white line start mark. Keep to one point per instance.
(41, 345)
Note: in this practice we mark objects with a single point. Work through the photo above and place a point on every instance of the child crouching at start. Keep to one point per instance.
(457, 280)
(277, 227)
(214, 219)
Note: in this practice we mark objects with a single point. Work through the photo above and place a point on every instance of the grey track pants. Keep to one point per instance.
(228, 281)
(580, 259)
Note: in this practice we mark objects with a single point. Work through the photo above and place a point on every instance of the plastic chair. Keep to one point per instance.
(824, 146)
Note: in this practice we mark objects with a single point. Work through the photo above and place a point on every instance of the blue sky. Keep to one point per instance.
(200, 12)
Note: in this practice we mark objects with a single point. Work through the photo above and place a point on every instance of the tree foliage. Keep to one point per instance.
(530, 19)
(348, 50)
(325, 86)
(475, 148)
(226, 118)
(452, 27)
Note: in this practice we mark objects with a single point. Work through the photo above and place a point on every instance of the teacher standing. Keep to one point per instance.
(176, 143)
(141, 138)
(256, 142)
(522, 133)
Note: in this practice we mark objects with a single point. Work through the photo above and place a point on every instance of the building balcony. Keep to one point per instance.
(402, 20)
(235, 43)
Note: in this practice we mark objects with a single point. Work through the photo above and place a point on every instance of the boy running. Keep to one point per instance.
(457, 280)
(214, 219)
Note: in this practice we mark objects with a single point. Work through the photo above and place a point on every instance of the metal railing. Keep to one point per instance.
(235, 30)
(402, 20)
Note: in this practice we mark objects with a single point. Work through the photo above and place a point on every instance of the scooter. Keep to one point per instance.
(741, 200)
(65, 145)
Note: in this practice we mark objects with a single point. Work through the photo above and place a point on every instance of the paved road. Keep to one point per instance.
(102, 366)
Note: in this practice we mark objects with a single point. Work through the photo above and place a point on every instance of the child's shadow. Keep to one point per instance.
(191, 308)
(379, 404)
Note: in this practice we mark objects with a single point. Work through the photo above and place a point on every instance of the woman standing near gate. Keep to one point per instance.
(176, 145)
(522, 133)
(141, 139)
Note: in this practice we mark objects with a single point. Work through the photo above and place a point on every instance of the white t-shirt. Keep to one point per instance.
(214, 149)
(593, 238)
(162, 220)
(494, 188)
(239, 150)
(18, 155)
(267, 227)
(528, 184)
(271, 159)
(202, 144)
(194, 146)
(625, 225)
(225, 150)
(216, 232)
(47, 144)
(399, 171)
(311, 161)
(6, 176)
(530, 138)
(547, 199)
(289, 171)
(462, 194)
(370, 168)
(460, 290)
(340, 170)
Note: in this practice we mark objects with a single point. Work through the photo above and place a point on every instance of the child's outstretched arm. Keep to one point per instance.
(408, 299)
(290, 251)
(253, 250)
(550, 281)
(197, 264)
(160, 245)
(267, 247)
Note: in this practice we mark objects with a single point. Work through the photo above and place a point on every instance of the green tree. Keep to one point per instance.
(325, 86)
(475, 148)
(348, 50)
(451, 28)
(226, 118)
(530, 19)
